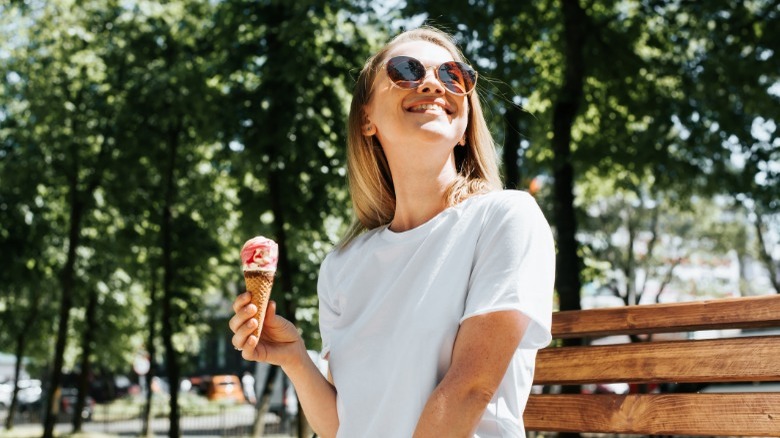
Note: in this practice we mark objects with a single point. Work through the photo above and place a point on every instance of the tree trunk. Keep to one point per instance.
(66, 302)
(80, 201)
(264, 401)
(568, 267)
(286, 305)
(171, 356)
(86, 362)
(21, 343)
(568, 264)
(632, 298)
(511, 150)
(146, 429)
(286, 270)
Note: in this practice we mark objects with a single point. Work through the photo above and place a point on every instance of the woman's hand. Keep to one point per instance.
(279, 343)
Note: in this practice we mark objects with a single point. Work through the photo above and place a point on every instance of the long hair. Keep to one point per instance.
(370, 182)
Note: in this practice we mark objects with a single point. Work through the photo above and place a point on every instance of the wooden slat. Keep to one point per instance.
(746, 414)
(753, 312)
(718, 360)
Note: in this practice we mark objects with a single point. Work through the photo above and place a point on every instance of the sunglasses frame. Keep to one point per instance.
(464, 69)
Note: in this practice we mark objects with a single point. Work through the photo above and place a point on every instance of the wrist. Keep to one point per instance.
(298, 360)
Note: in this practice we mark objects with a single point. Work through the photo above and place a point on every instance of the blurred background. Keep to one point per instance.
(142, 142)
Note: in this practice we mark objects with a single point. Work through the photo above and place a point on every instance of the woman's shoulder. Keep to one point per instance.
(505, 200)
(511, 195)
(509, 208)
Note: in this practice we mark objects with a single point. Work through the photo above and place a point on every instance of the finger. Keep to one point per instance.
(241, 301)
(248, 352)
(270, 312)
(241, 316)
(243, 333)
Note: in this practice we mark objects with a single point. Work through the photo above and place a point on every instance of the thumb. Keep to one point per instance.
(270, 313)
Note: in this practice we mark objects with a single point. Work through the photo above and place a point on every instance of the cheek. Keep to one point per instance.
(375, 113)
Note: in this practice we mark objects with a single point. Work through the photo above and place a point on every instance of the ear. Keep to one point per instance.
(367, 128)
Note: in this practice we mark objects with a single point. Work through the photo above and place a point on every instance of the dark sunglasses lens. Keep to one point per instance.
(405, 71)
(458, 77)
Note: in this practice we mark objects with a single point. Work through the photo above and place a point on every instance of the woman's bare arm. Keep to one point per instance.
(483, 349)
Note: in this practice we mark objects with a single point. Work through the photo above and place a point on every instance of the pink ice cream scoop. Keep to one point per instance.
(260, 253)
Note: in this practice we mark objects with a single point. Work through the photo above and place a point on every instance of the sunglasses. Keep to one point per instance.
(408, 73)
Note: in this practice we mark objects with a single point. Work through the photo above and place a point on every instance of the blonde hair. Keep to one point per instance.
(370, 182)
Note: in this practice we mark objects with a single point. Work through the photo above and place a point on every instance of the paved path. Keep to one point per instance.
(236, 422)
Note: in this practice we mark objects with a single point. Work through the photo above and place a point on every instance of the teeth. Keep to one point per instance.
(426, 106)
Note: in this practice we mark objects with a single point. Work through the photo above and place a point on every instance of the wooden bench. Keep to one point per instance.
(751, 356)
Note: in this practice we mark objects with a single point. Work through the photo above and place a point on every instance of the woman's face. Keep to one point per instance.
(420, 121)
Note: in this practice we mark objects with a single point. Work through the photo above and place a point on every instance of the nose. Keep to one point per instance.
(431, 83)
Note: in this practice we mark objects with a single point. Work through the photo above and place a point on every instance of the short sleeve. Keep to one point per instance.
(328, 309)
(514, 266)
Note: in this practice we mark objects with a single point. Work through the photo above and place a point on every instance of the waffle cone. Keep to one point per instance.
(259, 284)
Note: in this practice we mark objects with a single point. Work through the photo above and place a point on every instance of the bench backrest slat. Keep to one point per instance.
(750, 359)
(753, 312)
(657, 414)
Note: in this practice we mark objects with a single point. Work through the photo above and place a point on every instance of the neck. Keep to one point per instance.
(420, 195)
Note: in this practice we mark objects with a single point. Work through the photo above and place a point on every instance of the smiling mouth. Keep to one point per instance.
(428, 107)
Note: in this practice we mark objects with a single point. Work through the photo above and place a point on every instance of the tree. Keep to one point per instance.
(63, 93)
(27, 277)
(641, 244)
(180, 199)
(284, 131)
(120, 79)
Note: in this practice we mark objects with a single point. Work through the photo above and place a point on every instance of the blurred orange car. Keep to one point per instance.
(225, 387)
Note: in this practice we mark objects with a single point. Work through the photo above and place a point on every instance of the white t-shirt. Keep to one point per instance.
(391, 305)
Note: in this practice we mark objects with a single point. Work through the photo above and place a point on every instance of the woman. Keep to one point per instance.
(434, 305)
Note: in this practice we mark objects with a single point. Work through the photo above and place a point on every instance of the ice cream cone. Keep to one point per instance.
(259, 284)
(258, 257)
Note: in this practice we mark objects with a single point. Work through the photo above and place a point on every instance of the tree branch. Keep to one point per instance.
(667, 279)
